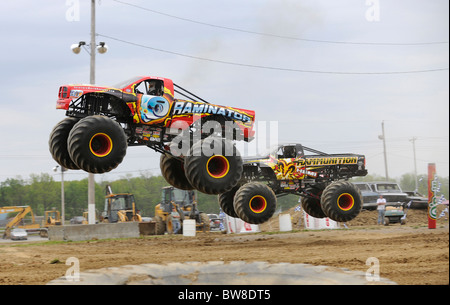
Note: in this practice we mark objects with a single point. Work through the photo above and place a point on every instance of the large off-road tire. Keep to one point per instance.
(206, 222)
(216, 172)
(172, 170)
(312, 207)
(255, 203)
(226, 201)
(97, 144)
(160, 226)
(58, 143)
(341, 201)
(169, 224)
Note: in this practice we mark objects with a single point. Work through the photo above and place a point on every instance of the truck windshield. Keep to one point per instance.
(363, 187)
(125, 83)
(388, 188)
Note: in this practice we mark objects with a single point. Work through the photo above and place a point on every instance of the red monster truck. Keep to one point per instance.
(194, 136)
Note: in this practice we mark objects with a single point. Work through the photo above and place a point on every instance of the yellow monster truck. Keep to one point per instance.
(319, 178)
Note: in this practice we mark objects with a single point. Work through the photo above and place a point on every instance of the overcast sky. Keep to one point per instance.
(326, 72)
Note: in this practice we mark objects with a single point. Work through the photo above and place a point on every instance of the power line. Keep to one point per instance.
(281, 36)
(269, 67)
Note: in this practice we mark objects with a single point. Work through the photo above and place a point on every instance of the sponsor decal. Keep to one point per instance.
(329, 161)
(76, 93)
(298, 168)
(189, 108)
(153, 107)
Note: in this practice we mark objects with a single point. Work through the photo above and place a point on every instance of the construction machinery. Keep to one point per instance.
(119, 207)
(175, 206)
(51, 218)
(86, 217)
(18, 220)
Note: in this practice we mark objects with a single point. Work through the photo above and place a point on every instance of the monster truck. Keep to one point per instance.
(195, 138)
(319, 178)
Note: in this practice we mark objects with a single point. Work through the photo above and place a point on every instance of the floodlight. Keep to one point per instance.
(102, 48)
(76, 48)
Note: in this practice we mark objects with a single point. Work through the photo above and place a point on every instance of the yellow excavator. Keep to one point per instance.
(18, 220)
(119, 207)
(175, 206)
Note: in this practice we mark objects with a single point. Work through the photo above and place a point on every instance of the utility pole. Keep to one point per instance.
(383, 137)
(101, 48)
(91, 179)
(63, 208)
(413, 140)
(63, 213)
(93, 44)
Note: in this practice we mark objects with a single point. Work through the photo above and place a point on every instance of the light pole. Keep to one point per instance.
(101, 48)
(63, 213)
(413, 140)
(383, 137)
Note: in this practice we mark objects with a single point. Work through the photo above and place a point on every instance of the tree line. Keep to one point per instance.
(43, 193)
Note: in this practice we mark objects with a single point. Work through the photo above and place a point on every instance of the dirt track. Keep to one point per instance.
(409, 254)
